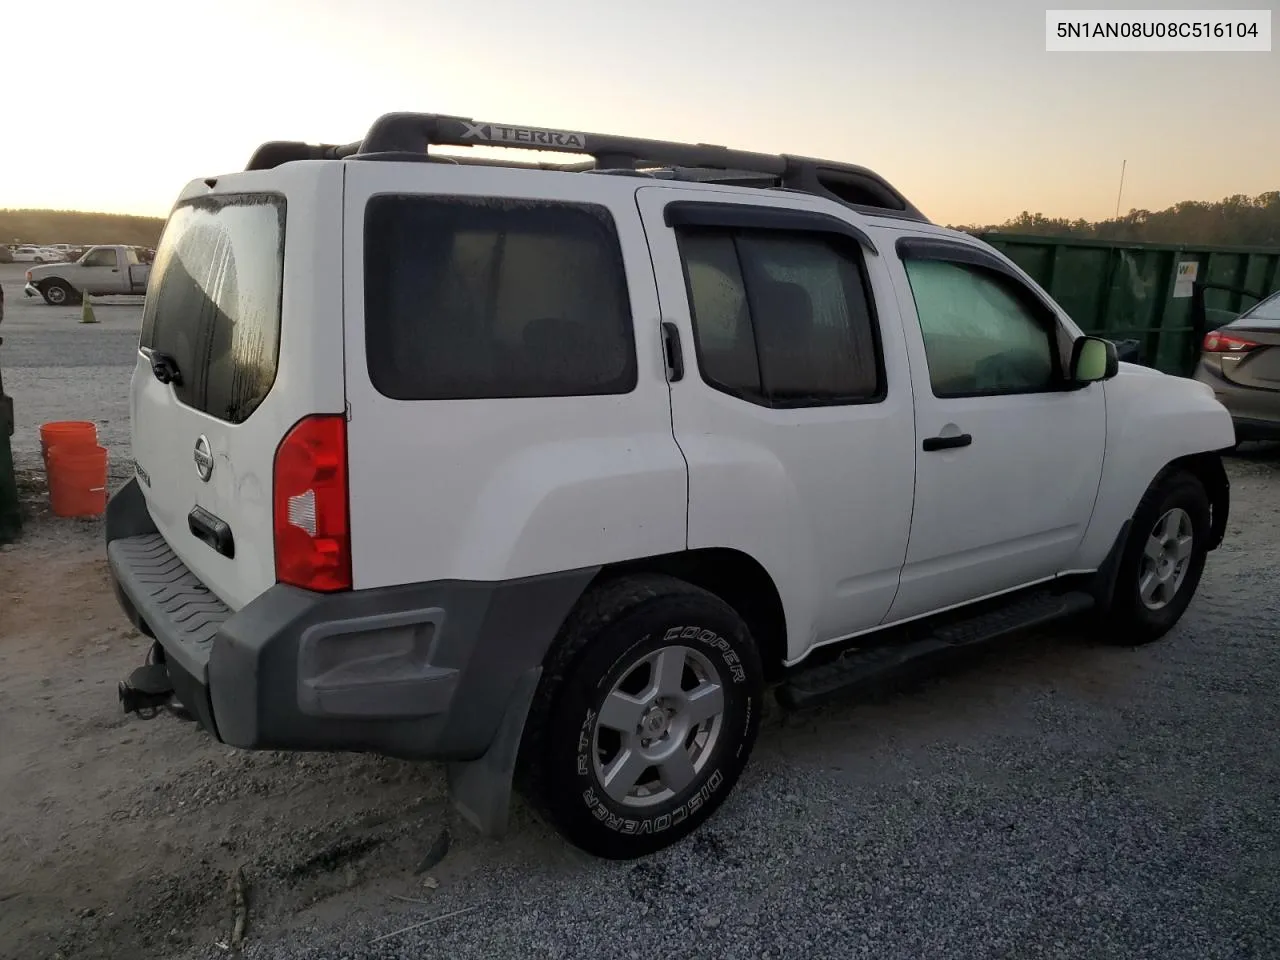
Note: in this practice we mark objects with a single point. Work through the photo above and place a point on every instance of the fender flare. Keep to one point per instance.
(1210, 471)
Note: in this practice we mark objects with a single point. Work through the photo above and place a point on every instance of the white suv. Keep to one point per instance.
(550, 471)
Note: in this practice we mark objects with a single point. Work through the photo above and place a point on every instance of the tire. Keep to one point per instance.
(610, 651)
(39, 260)
(1174, 507)
(59, 293)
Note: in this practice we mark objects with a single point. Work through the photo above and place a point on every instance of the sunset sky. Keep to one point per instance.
(956, 102)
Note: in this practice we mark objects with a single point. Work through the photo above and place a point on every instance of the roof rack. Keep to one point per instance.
(408, 136)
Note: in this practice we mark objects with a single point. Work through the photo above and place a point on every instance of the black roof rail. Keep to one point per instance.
(403, 136)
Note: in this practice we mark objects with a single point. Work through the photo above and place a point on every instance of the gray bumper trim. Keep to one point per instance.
(182, 612)
(421, 671)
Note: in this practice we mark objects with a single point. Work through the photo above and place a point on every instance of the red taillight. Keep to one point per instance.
(1218, 342)
(309, 505)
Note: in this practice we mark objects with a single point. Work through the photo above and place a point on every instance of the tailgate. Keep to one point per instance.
(224, 369)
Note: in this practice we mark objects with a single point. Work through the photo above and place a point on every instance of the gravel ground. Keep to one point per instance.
(61, 370)
(1050, 799)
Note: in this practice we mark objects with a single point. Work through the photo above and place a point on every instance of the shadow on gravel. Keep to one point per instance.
(119, 839)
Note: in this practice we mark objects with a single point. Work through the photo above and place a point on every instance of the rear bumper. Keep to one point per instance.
(423, 671)
(1254, 412)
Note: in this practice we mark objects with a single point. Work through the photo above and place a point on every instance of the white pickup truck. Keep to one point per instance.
(111, 269)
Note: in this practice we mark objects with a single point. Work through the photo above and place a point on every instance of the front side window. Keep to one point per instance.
(980, 336)
(781, 318)
(101, 258)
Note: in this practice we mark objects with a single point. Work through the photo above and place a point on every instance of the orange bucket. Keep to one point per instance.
(67, 433)
(78, 480)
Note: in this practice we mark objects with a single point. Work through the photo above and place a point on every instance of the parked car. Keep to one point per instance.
(102, 271)
(1241, 362)
(30, 254)
(548, 474)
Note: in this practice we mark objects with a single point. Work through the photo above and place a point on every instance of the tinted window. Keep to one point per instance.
(980, 335)
(489, 298)
(781, 318)
(1263, 314)
(101, 258)
(723, 332)
(214, 301)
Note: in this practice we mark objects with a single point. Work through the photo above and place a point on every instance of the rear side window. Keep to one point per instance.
(213, 303)
(492, 298)
(782, 318)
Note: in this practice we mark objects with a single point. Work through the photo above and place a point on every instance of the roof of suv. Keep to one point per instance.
(409, 137)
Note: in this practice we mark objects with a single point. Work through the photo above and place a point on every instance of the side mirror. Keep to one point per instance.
(1094, 359)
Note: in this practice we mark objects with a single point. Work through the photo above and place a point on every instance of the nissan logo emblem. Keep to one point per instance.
(204, 459)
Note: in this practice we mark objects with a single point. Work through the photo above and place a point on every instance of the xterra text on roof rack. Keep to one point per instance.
(548, 470)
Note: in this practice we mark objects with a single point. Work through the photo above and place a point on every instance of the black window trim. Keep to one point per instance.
(754, 216)
(632, 384)
(950, 251)
(711, 224)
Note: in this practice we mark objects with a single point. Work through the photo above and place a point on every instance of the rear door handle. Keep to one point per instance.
(946, 443)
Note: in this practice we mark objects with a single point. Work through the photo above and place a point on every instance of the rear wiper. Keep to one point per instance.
(164, 366)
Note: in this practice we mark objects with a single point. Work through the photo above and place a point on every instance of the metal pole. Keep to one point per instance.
(1123, 164)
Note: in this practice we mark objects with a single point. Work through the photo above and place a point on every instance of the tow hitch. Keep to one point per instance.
(149, 689)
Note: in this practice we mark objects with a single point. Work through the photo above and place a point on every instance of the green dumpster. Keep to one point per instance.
(1146, 291)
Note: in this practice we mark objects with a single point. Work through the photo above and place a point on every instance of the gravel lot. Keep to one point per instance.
(1051, 799)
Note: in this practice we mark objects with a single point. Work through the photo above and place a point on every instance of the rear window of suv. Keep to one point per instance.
(478, 298)
(213, 301)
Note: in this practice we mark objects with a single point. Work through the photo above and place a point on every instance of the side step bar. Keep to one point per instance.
(815, 685)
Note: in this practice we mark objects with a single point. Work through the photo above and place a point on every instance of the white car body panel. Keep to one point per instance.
(1152, 419)
(1011, 508)
(498, 489)
(793, 488)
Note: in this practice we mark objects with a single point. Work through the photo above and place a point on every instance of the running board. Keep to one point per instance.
(868, 665)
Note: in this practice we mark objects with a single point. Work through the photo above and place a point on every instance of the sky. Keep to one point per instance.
(955, 102)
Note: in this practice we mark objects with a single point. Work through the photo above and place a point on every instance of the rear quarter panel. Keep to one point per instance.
(498, 489)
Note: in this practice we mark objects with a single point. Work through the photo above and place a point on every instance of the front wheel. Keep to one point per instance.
(58, 293)
(1163, 560)
(647, 713)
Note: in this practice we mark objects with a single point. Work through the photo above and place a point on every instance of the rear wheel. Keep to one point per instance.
(1162, 562)
(646, 716)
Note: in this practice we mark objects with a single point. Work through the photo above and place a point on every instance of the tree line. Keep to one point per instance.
(76, 227)
(1238, 220)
